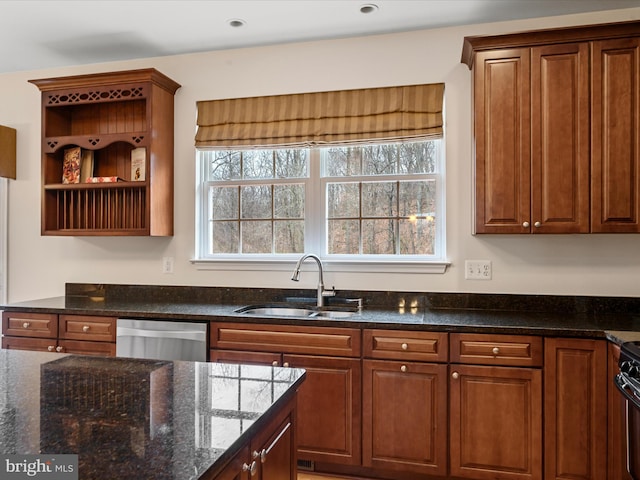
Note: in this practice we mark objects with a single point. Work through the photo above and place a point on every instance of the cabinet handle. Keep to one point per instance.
(59, 349)
(455, 375)
(262, 455)
(274, 363)
(537, 224)
(525, 224)
(403, 368)
(250, 468)
(26, 325)
(496, 350)
(85, 329)
(285, 364)
(404, 346)
(51, 348)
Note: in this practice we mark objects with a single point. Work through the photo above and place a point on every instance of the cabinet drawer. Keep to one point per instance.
(23, 324)
(344, 342)
(516, 350)
(406, 345)
(86, 327)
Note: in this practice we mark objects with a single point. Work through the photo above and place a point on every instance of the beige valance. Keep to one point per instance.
(337, 117)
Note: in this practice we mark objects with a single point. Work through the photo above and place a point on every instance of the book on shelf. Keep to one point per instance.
(104, 179)
(86, 165)
(71, 165)
(138, 164)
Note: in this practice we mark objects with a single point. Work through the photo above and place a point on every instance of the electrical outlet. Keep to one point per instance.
(477, 269)
(167, 264)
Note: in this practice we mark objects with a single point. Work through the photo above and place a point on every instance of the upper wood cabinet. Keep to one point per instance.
(556, 127)
(108, 115)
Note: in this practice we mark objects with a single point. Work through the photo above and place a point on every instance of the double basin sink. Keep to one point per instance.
(284, 310)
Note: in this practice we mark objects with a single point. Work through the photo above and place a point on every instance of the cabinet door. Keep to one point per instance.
(276, 455)
(616, 136)
(35, 344)
(404, 409)
(329, 403)
(575, 404)
(617, 444)
(560, 138)
(238, 468)
(495, 422)
(502, 141)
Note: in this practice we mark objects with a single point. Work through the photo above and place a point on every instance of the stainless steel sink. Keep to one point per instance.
(289, 311)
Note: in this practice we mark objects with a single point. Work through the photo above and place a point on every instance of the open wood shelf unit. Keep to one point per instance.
(109, 114)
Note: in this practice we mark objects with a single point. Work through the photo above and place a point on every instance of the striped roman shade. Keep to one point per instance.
(337, 117)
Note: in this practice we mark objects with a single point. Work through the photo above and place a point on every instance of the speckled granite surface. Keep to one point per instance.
(571, 316)
(129, 418)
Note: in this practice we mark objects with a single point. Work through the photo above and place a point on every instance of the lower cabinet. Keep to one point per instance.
(616, 422)
(575, 403)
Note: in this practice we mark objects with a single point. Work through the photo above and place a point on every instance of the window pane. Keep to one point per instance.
(224, 203)
(256, 201)
(256, 237)
(344, 237)
(225, 237)
(419, 157)
(379, 199)
(380, 159)
(418, 198)
(417, 236)
(288, 201)
(343, 200)
(343, 161)
(289, 236)
(379, 237)
(292, 163)
(223, 165)
(257, 164)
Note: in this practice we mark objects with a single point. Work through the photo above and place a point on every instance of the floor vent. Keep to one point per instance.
(306, 465)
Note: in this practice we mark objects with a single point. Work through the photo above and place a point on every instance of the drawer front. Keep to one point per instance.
(343, 342)
(98, 349)
(34, 344)
(37, 325)
(508, 350)
(406, 345)
(86, 327)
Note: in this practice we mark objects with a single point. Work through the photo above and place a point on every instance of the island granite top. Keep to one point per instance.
(133, 418)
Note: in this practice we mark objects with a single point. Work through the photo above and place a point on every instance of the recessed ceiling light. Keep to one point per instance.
(368, 8)
(236, 23)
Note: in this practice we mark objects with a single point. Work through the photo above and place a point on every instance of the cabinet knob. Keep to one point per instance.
(537, 224)
(496, 350)
(403, 368)
(51, 348)
(455, 375)
(285, 364)
(525, 224)
(274, 363)
(262, 455)
(26, 325)
(404, 346)
(250, 468)
(59, 349)
(85, 329)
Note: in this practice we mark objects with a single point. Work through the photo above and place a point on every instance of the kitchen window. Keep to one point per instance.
(281, 176)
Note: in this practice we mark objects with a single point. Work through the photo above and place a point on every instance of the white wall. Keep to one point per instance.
(563, 264)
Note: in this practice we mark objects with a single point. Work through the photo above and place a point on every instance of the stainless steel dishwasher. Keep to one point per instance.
(162, 340)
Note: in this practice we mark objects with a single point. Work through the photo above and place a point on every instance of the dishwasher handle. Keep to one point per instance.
(195, 335)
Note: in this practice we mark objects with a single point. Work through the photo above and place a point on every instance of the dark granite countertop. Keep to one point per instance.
(129, 418)
(590, 317)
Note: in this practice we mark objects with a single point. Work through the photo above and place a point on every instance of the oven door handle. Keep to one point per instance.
(623, 385)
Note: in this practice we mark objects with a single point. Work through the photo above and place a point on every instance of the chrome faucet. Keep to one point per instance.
(321, 291)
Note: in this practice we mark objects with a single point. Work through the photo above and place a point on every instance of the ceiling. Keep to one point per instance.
(46, 34)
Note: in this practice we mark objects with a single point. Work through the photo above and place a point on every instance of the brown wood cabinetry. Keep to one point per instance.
(86, 335)
(556, 116)
(575, 404)
(328, 420)
(404, 402)
(616, 420)
(495, 414)
(109, 114)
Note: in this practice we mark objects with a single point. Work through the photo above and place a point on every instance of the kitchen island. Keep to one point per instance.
(134, 418)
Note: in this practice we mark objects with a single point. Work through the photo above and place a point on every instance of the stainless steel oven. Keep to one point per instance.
(628, 382)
